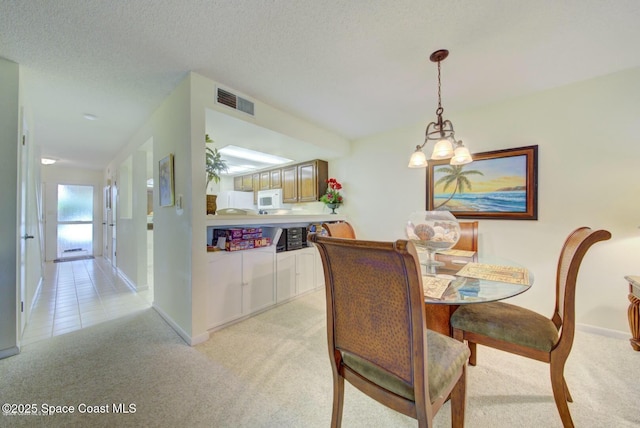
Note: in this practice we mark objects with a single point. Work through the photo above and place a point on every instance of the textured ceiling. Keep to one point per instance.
(355, 67)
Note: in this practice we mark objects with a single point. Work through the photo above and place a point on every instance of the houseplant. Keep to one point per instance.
(215, 166)
(332, 198)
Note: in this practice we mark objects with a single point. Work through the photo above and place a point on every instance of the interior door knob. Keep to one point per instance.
(28, 237)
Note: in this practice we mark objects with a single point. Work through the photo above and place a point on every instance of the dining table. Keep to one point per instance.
(464, 278)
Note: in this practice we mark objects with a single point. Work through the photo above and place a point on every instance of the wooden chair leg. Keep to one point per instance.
(338, 401)
(566, 391)
(459, 335)
(559, 393)
(472, 358)
(458, 400)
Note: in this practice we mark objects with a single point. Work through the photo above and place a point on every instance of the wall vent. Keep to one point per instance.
(230, 99)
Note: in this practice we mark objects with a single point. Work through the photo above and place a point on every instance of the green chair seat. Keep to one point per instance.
(445, 358)
(508, 323)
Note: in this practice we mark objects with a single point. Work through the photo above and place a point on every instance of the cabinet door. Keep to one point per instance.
(305, 270)
(307, 182)
(258, 280)
(224, 292)
(265, 180)
(255, 183)
(237, 183)
(290, 184)
(285, 276)
(276, 179)
(247, 183)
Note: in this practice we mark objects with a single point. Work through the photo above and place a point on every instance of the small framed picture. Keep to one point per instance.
(165, 175)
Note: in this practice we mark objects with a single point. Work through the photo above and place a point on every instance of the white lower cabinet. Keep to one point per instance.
(295, 273)
(240, 283)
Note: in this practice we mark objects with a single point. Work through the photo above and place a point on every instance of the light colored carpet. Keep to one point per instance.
(273, 370)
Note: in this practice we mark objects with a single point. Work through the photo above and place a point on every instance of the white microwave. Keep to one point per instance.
(270, 199)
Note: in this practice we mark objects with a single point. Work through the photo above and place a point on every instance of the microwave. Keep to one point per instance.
(270, 199)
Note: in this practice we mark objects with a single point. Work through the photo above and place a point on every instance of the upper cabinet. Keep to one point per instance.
(265, 180)
(290, 184)
(237, 183)
(275, 179)
(303, 182)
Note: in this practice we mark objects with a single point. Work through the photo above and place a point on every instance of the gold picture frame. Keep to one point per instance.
(480, 190)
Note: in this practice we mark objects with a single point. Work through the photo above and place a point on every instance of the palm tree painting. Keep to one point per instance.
(455, 174)
(500, 184)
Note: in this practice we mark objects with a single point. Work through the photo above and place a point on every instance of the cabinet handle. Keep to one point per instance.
(245, 283)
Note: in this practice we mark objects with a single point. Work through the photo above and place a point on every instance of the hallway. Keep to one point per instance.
(78, 294)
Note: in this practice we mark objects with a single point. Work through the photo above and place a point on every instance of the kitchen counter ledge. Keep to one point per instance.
(269, 219)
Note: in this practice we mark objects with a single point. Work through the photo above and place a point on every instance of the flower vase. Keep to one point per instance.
(333, 208)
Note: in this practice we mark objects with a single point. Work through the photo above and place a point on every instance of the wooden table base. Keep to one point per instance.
(438, 315)
(634, 321)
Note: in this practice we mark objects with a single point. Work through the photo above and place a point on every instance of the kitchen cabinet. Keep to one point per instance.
(304, 182)
(265, 180)
(240, 283)
(295, 273)
(247, 183)
(237, 183)
(255, 181)
(275, 179)
(290, 184)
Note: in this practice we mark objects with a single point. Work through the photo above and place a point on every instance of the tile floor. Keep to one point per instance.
(78, 294)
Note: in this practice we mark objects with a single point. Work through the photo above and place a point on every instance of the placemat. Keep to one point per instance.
(499, 273)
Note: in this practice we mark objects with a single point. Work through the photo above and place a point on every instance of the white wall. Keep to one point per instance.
(179, 241)
(52, 175)
(587, 135)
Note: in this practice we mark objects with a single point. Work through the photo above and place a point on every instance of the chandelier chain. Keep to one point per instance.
(439, 90)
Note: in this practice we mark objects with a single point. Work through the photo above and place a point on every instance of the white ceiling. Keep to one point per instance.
(356, 67)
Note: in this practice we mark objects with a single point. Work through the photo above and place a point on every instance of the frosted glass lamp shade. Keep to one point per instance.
(442, 150)
(461, 156)
(418, 159)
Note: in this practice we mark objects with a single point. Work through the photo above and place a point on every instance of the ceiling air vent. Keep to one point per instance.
(235, 102)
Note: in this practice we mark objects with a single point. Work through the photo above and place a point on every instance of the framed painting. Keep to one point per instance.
(165, 175)
(501, 184)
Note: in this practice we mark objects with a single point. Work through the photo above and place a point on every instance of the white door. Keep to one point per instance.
(112, 222)
(25, 236)
(74, 221)
(106, 212)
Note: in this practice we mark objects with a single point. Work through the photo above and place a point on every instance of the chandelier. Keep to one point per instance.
(441, 131)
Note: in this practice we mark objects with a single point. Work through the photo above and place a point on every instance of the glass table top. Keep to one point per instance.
(465, 290)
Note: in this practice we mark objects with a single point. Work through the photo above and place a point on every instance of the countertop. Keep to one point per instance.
(266, 219)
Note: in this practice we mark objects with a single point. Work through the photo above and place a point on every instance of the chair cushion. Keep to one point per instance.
(445, 357)
(508, 323)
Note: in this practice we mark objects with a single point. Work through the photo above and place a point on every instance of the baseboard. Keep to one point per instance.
(617, 334)
(191, 341)
(9, 352)
(126, 279)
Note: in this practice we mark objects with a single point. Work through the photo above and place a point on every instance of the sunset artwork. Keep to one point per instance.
(499, 184)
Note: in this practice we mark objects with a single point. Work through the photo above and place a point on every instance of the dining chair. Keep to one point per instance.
(468, 236)
(377, 335)
(340, 230)
(526, 333)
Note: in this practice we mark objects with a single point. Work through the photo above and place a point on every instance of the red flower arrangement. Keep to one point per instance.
(333, 195)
